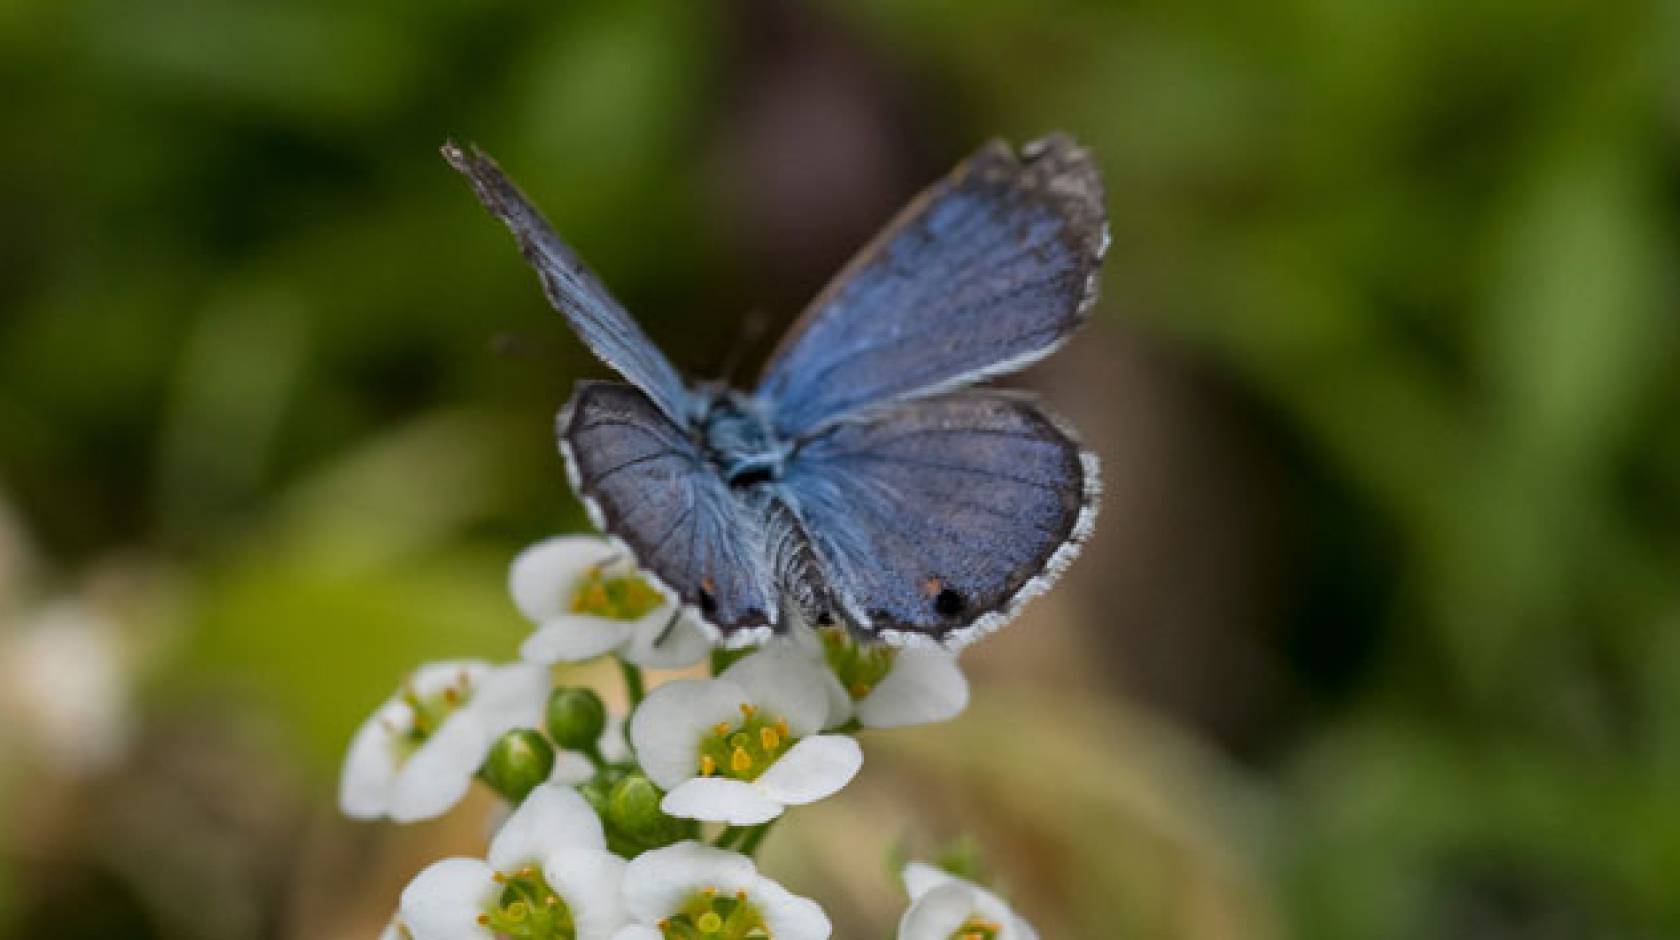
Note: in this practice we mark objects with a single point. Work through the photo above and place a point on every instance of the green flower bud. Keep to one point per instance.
(576, 718)
(633, 810)
(519, 761)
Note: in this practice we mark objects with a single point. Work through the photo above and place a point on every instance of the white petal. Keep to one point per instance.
(920, 878)
(807, 641)
(639, 932)
(925, 685)
(1016, 928)
(544, 575)
(552, 819)
(570, 638)
(508, 697)
(444, 901)
(653, 646)
(997, 910)
(615, 747)
(440, 772)
(937, 914)
(370, 768)
(786, 684)
(571, 769)
(814, 768)
(395, 930)
(432, 678)
(591, 882)
(658, 882)
(840, 708)
(787, 915)
(719, 799)
(668, 727)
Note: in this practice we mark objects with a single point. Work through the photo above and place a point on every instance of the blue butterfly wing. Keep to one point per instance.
(939, 517)
(984, 273)
(645, 480)
(603, 325)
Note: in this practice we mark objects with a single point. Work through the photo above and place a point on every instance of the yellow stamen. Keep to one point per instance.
(708, 893)
(781, 727)
(498, 878)
(484, 920)
(721, 728)
(748, 709)
(860, 689)
(769, 738)
(740, 894)
(740, 761)
(708, 766)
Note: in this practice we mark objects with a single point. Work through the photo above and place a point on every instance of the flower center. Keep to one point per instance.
(744, 749)
(977, 928)
(626, 597)
(859, 668)
(528, 909)
(710, 916)
(429, 713)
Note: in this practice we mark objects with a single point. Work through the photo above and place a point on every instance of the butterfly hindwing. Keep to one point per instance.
(935, 519)
(987, 271)
(649, 485)
(603, 325)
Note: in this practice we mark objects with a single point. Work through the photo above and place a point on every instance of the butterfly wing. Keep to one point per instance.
(938, 518)
(984, 273)
(603, 325)
(644, 480)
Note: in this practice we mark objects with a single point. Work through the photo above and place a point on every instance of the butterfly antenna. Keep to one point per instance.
(753, 326)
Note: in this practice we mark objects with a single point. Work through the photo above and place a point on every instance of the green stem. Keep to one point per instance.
(755, 835)
(633, 682)
(729, 835)
(593, 752)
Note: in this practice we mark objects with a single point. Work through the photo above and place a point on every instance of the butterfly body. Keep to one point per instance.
(740, 438)
(864, 481)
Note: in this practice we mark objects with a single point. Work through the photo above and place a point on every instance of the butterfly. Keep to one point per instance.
(865, 481)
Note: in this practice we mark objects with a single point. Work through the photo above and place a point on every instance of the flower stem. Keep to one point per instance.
(593, 752)
(755, 835)
(633, 682)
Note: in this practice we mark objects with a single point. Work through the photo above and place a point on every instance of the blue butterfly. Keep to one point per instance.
(863, 482)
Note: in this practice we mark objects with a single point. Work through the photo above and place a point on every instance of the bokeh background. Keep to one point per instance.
(1377, 637)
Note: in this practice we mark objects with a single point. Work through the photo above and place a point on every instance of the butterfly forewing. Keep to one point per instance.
(937, 518)
(603, 325)
(987, 271)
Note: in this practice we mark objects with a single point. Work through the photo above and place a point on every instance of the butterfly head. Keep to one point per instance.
(740, 440)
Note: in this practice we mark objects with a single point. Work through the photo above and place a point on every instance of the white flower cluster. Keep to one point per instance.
(608, 838)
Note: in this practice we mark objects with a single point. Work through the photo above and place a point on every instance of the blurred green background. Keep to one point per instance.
(1378, 635)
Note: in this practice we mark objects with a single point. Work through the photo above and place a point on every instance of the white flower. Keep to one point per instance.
(885, 686)
(943, 906)
(416, 757)
(573, 768)
(743, 746)
(548, 875)
(587, 599)
(694, 890)
(64, 685)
